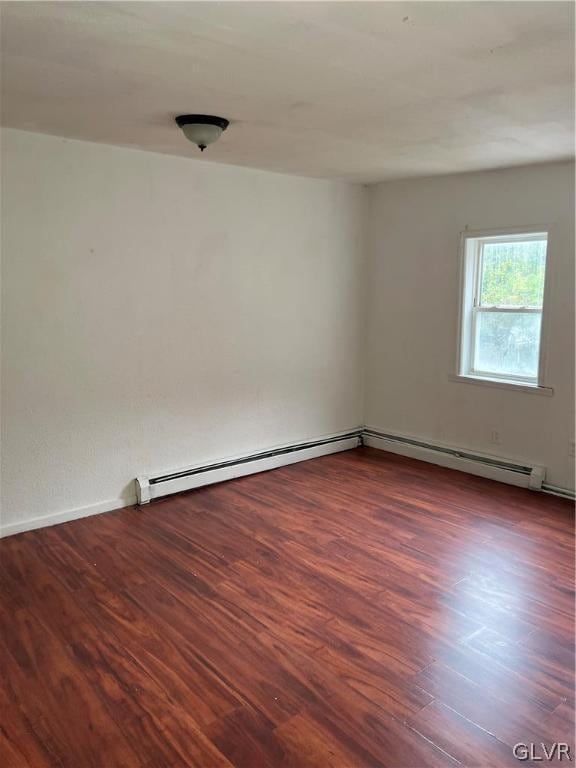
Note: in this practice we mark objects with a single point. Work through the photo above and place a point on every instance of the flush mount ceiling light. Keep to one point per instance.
(202, 129)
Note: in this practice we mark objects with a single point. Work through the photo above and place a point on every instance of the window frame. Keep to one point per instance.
(471, 243)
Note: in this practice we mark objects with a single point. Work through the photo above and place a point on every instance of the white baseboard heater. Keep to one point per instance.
(492, 467)
(152, 487)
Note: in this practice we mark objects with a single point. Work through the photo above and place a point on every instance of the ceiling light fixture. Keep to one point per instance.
(202, 129)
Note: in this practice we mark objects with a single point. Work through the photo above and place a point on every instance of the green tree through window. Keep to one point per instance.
(513, 274)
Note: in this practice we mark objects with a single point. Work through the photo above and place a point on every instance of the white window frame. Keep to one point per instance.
(472, 242)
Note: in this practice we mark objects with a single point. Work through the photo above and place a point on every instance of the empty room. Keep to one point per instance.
(287, 384)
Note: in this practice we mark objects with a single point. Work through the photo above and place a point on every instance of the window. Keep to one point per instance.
(503, 296)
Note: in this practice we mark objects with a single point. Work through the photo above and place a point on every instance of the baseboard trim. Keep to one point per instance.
(55, 518)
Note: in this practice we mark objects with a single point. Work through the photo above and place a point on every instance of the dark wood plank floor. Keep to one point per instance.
(357, 610)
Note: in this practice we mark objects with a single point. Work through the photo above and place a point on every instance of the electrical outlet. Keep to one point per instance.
(572, 449)
(495, 437)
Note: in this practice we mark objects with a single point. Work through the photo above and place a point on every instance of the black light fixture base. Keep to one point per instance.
(221, 122)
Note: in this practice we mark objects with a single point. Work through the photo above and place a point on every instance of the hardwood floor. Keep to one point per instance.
(356, 610)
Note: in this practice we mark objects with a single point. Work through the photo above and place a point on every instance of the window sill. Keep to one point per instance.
(532, 389)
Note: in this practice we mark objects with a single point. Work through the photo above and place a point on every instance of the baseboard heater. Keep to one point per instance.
(492, 467)
(152, 487)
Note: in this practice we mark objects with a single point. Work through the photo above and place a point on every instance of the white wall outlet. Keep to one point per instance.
(495, 437)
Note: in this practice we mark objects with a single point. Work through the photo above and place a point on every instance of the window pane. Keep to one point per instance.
(507, 343)
(513, 273)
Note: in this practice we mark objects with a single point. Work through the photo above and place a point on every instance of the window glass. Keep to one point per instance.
(512, 274)
(507, 343)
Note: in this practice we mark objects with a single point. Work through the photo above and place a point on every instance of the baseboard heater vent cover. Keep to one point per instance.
(492, 467)
(148, 488)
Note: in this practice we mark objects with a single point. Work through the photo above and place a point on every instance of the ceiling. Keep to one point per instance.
(363, 91)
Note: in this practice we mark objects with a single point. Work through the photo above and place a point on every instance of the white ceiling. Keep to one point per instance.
(357, 90)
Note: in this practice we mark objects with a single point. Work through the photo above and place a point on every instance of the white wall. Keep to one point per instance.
(413, 304)
(159, 312)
